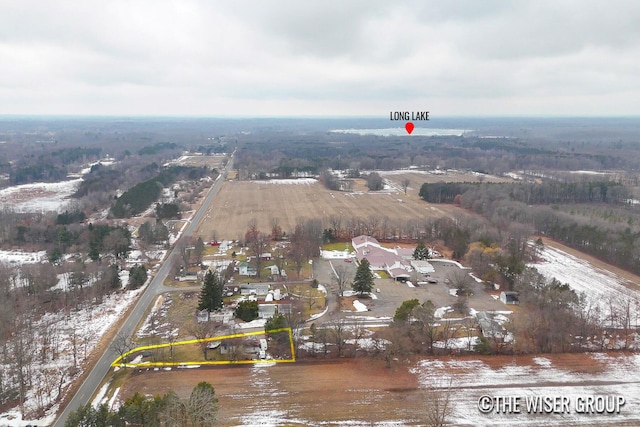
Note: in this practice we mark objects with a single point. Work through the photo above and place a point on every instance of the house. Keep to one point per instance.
(265, 256)
(267, 311)
(229, 346)
(224, 316)
(245, 269)
(491, 326)
(509, 298)
(202, 316)
(259, 289)
(188, 277)
(274, 271)
(422, 267)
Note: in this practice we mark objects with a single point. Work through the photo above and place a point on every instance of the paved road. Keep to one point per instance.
(156, 287)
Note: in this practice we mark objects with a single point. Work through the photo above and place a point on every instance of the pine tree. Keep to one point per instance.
(363, 281)
(421, 252)
(211, 295)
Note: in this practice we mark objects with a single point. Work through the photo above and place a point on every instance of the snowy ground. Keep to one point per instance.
(81, 330)
(600, 287)
(471, 379)
(293, 181)
(19, 257)
(40, 196)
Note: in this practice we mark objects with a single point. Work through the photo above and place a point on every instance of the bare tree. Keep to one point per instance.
(122, 343)
(343, 278)
(438, 407)
(461, 282)
(339, 334)
(202, 331)
(276, 230)
(405, 185)
(257, 242)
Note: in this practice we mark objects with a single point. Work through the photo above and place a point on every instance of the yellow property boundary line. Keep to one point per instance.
(118, 363)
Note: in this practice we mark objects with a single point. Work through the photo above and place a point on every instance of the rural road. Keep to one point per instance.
(155, 287)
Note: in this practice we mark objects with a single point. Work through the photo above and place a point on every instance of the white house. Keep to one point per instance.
(259, 289)
(245, 269)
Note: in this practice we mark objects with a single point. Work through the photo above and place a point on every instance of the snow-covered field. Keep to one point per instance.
(40, 196)
(601, 287)
(471, 379)
(293, 181)
(19, 257)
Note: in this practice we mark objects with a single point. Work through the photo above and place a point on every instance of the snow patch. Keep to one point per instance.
(359, 306)
(295, 181)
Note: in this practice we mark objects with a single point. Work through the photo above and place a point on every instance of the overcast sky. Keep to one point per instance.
(326, 58)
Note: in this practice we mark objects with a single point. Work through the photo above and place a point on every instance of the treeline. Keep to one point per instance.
(532, 194)
(614, 238)
(156, 148)
(72, 155)
(39, 172)
(268, 152)
(139, 197)
(49, 166)
(59, 236)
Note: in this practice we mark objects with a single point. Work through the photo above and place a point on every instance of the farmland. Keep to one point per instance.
(362, 392)
(289, 200)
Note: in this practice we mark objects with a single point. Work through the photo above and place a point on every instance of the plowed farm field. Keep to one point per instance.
(238, 202)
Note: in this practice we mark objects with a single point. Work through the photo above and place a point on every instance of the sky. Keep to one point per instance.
(320, 58)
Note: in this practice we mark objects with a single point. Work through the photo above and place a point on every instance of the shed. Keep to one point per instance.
(509, 298)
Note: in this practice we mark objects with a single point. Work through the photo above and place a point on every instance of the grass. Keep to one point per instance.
(338, 246)
(383, 274)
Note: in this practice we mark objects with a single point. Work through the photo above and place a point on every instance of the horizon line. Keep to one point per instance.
(433, 118)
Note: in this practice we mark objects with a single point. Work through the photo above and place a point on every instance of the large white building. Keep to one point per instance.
(397, 262)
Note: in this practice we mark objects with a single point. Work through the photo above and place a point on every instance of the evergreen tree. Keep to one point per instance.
(114, 280)
(247, 310)
(404, 311)
(137, 276)
(211, 295)
(363, 281)
(421, 252)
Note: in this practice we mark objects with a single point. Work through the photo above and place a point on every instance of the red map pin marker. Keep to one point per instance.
(409, 127)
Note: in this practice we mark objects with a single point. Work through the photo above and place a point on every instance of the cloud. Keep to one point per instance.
(326, 57)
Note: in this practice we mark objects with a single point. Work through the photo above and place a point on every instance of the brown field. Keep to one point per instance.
(328, 391)
(238, 202)
(363, 391)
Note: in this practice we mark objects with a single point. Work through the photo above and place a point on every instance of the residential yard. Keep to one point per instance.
(338, 246)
